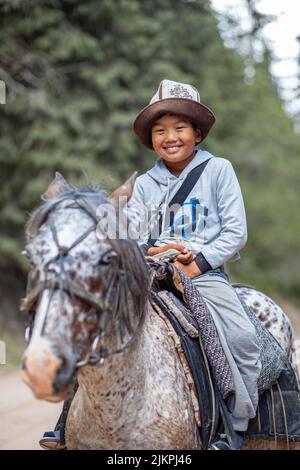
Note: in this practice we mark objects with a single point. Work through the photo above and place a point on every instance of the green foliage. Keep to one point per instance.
(78, 72)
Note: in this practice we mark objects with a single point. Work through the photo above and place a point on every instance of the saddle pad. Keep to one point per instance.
(183, 315)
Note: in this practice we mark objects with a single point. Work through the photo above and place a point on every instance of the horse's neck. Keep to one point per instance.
(120, 383)
(130, 402)
(111, 387)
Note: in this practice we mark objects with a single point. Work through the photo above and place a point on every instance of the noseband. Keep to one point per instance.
(105, 306)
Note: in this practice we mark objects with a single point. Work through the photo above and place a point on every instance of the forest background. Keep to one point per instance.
(76, 73)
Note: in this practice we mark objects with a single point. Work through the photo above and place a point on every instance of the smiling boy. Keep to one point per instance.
(209, 229)
(173, 139)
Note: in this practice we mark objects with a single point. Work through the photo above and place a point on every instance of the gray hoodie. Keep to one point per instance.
(212, 220)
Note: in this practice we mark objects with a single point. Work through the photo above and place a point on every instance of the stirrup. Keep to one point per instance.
(51, 441)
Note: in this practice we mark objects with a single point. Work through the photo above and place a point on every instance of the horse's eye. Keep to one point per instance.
(108, 257)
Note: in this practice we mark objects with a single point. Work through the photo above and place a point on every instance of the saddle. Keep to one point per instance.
(278, 413)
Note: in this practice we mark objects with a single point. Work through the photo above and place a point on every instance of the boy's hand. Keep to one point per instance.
(155, 250)
(186, 258)
(190, 270)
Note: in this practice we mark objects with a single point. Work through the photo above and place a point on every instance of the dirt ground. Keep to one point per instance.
(24, 419)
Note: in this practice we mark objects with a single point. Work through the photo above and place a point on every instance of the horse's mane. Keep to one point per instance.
(133, 275)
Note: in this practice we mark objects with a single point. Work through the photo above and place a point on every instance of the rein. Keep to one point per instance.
(106, 307)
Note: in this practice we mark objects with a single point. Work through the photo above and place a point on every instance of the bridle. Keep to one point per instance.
(105, 306)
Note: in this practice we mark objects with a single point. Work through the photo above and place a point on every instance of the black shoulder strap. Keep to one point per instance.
(184, 190)
(188, 184)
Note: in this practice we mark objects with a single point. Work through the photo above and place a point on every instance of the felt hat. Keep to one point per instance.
(175, 98)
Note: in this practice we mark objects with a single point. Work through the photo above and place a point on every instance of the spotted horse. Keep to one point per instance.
(91, 321)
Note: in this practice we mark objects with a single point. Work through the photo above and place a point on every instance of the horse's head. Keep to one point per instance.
(81, 286)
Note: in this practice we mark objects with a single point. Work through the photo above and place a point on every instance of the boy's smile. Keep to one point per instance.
(174, 138)
(173, 149)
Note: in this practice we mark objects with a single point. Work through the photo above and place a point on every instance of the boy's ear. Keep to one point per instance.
(198, 135)
(125, 191)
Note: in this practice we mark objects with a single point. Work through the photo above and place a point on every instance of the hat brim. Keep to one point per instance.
(190, 109)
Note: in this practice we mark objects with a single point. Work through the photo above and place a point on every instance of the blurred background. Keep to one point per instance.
(76, 74)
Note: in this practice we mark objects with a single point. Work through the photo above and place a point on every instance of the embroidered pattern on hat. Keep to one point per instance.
(180, 91)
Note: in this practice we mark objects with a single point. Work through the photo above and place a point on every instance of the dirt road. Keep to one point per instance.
(23, 418)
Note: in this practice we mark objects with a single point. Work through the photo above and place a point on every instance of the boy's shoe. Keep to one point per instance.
(222, 442)
(51, 441)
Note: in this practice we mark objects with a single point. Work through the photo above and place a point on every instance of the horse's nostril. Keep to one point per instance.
(64, 375)
(63, 363)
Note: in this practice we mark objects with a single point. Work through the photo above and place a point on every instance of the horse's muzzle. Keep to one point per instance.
(44, 372)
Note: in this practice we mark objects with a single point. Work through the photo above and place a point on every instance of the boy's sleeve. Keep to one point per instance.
(231, 210)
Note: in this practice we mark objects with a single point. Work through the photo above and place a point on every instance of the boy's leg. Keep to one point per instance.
(238, 338)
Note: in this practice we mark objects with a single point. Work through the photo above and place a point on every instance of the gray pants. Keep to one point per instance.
(237, 335)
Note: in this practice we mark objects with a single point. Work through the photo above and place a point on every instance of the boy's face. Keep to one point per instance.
(174, 138)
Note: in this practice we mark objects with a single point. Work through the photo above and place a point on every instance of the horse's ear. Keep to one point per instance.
(124, 191)
(58, 186)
